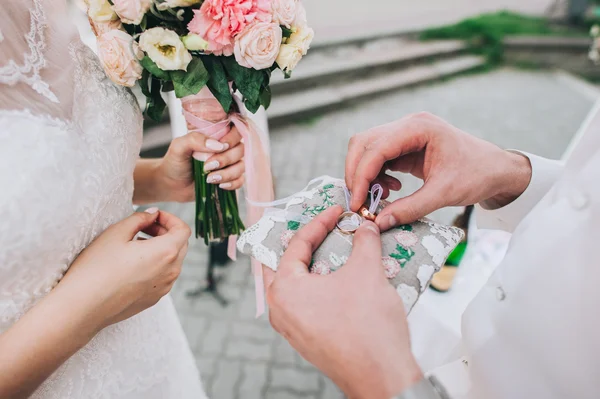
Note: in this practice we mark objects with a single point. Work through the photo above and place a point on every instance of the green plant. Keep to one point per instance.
(485, 33)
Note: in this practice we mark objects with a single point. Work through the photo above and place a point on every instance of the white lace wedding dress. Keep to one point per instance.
(69, 140)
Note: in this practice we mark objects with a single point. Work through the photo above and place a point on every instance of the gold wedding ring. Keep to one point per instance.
(364, 212)
(348, 227)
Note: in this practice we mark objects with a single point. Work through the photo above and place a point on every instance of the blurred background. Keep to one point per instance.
(515, 72)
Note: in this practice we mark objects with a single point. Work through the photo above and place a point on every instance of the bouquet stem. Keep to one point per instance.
(217, 211)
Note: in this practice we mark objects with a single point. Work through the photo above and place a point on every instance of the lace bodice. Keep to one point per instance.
(69, 141)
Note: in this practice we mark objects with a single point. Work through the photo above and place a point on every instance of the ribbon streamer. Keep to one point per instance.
(259, 181)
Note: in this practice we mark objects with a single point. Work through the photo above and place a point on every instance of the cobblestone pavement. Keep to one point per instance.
(240, 357)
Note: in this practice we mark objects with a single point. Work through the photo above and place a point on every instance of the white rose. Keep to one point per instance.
(300, 18)
(101, 11)
(289, 56)
(284, 12)
(164, 47)
(257, 45)
(120, 56)
(180, 3)
(302, 38)
(132, 11)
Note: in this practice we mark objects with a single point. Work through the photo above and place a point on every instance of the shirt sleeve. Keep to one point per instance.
(545, 172)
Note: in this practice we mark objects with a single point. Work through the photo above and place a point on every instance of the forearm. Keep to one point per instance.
(146, 188)
(42, 340)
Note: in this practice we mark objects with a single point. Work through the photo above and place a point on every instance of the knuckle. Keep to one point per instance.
(171, 252)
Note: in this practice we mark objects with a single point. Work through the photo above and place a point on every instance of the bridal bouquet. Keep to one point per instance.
(205, 51)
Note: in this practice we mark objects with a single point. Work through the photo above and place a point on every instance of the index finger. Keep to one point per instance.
(297, 257)
(404, 140)
(172, 228)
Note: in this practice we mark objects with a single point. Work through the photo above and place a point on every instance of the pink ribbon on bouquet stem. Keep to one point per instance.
(204, 114)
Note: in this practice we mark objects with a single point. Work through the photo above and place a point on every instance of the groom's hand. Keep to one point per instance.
(457, 168)
(350, 324)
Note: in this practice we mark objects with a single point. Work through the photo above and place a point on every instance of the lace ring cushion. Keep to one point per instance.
(411, 253)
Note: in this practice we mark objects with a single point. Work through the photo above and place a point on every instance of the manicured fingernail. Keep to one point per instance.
(225, 185)
(152, 210)
(214, 179)
(387, 222)
(201, 156)
(212, 165)
(214, 145)
(371, 227)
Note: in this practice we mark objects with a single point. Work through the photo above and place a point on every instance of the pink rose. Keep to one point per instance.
(120, 56)
(392, 267)
(257, 46)
(284, 12)
(100, 28)
(406, 238)
(219, 21)
(131, 11)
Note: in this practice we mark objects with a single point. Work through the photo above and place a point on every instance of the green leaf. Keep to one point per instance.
(156, 106)
(190, 82)
(265, 97)
(144, 84)
(405, 227)
(218, 83)
(292, 225)
(151, 67)
(287, 32)
(248, 81)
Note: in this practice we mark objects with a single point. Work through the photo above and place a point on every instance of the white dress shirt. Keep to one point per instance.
(533, 331)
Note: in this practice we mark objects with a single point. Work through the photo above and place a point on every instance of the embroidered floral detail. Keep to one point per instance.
(406, 238)
(405, 227)
(402, 255)
(34, 62)
(313, 210)
(327, 197)
(392, 267)
(286, 237)
(293, 225)
(336, 260)
(321, 268)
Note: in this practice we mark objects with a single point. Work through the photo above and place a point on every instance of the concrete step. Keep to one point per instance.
(337, 64)
(285, 108)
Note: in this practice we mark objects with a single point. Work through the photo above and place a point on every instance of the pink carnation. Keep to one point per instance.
(219, 21)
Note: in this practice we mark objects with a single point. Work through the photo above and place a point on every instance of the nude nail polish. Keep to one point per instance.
(212, 165)
(214, 145)
(211, 179)
(225, 185)
(152, 210)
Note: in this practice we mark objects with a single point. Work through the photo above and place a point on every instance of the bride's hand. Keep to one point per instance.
(223, 159)
(119, 276)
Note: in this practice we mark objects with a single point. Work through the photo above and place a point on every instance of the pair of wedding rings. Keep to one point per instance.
(349, 222)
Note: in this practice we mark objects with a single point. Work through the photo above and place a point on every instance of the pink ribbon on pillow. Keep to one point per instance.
(204, 114)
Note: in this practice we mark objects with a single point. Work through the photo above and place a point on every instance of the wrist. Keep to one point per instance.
(385, 382)
(514, 178)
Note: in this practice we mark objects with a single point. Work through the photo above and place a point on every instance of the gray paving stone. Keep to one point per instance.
(195, 327)
(278, 394)
(214, 339)
(283, 353)
(254, 381)
(253, 330)
(226, 380)
(240, 348)
(330, 390)
(297, 380)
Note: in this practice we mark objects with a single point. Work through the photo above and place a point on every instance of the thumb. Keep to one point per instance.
(129, 227)
(409, 209)
(366, 246)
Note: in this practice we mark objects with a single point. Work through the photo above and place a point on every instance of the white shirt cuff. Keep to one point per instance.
(455, 378)
(545, 173)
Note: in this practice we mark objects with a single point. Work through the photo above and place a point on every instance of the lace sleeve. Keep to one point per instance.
(35, 36)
